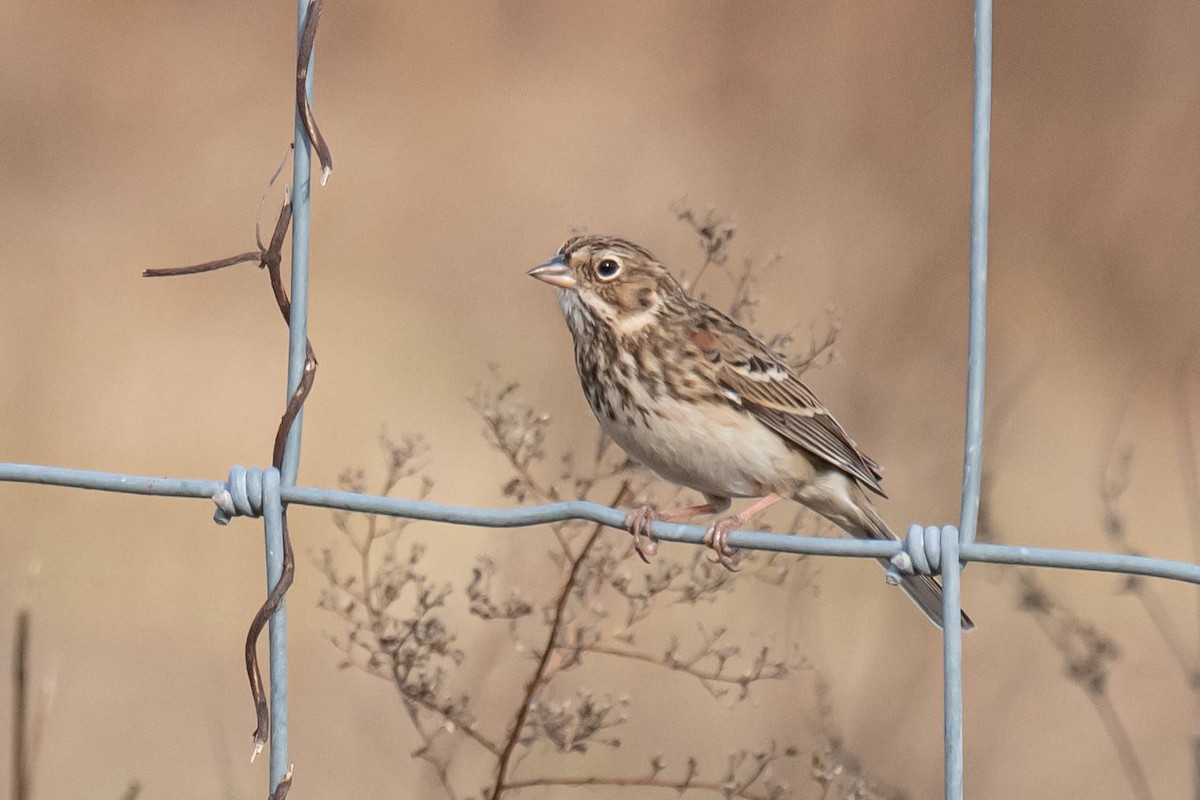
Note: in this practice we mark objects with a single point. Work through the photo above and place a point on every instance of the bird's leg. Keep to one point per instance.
(640, 521)
(717, 536)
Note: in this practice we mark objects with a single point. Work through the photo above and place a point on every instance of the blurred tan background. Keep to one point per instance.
(468, 140)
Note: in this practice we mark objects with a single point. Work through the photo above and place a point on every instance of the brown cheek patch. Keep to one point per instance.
(632, 298)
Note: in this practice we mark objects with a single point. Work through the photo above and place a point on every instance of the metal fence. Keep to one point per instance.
(934, 550)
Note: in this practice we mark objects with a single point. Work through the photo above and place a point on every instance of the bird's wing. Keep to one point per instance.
(753, 377)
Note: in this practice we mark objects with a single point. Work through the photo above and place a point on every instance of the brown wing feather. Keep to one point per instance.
(767, 388)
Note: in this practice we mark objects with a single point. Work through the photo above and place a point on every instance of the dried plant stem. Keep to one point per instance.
(722, 788)
(1195, 765)
(708, 262)
(364, 550)
(1118, 734)
(20, 736)
(1161, 619)
(1130, 764)
(715, 232)
(440, 768)
(1114, 482)
(545, 494)
(1187, 456)
(1190, 472)
(1189, 469)
(535, 682)
(459, 725)
(715, 675)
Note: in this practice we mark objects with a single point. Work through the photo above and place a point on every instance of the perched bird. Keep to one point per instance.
(700, 400)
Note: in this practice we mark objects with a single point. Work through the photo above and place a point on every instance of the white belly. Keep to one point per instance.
(722, 452)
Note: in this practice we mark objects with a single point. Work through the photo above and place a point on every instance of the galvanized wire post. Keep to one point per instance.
(952, 675)
(273, 527)
(976, 349)
(298, 321)
(952, 687)
(297, 353)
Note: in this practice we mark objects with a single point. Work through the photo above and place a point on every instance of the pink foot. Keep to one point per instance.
(640, 522)
(717, 538)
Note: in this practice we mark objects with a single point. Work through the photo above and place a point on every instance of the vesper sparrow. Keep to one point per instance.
(704, 403)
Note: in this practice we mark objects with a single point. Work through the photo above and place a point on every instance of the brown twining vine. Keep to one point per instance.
(270, 257)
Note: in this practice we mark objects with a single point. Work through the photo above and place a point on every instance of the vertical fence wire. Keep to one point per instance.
(952, 687)
(952, 669)
(980, 148)
(297, 353)
(273, 527)
(298, 321)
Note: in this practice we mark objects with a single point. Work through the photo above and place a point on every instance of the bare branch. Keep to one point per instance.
(425, 752)
(1131, 765)
(761, 670)
(555, 626)
(749, 776)
(715, 232)
(22, 763)
(1086, 652)
(519, 433)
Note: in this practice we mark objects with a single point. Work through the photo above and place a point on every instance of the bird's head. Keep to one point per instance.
(611, 281)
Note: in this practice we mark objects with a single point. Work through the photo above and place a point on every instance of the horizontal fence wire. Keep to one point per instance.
(930, 550)
(528, 516)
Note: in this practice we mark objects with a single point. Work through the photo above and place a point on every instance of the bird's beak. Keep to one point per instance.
(555, 273)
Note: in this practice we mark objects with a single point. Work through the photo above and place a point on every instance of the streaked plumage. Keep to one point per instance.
(704, 403)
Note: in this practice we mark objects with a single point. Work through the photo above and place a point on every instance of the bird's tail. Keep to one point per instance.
(924, 590)
(842, 500)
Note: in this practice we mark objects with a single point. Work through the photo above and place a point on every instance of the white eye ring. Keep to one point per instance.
(608, 269)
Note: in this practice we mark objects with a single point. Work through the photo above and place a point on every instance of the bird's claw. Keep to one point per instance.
(640, 523)
(717, 538)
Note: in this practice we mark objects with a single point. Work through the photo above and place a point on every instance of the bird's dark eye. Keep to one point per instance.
(608, 269)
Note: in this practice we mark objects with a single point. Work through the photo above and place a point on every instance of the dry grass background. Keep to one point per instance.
(468, 139)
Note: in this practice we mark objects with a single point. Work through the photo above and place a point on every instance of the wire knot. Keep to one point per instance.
(242, 495)
(922, 553)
